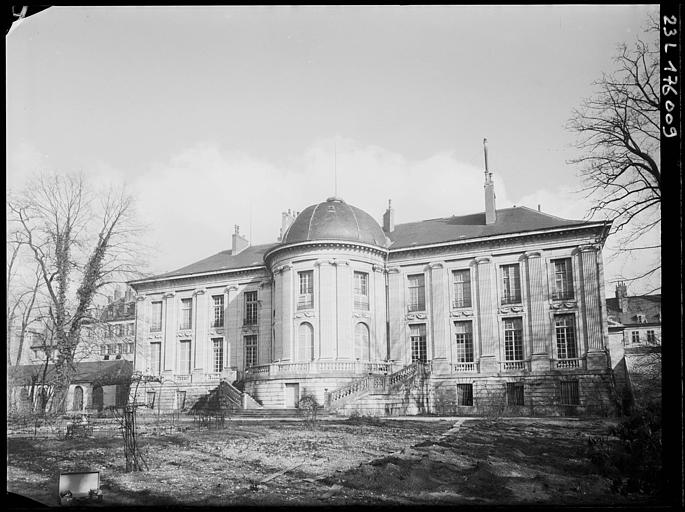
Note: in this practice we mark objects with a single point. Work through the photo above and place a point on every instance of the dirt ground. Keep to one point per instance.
(386, 462)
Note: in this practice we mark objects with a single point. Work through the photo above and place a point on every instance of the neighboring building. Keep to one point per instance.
(635, 344)
(103, 361)
(503, 308)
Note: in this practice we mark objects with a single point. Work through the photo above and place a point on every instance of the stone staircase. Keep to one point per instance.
(398, 393)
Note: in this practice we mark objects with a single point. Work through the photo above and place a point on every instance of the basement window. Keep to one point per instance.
(569, 393)
(514, 393)
(465, 394)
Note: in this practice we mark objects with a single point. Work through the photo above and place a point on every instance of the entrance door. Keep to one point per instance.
(292, 395)
(98, 398)
(418, 343)
(78, 398)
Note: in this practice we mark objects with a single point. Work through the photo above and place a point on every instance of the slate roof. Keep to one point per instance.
(101, 372)
(648, 305)
(334, 219)
(463, 227)
(252, 256)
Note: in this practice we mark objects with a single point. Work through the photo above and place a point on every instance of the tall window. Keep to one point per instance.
(218, 318)
(563, 279)
(155, 358)
(463, 342)
(251, 307)
(129, 329)
(218, 354)
(250, 350)
(184, 357)
(361, 290)
(305, 342)
(417, 335)
(513, 339)
(462, 288)
(566, 336)
(361, 342)
(156, 320)
(118, 330)
(651, 337)
(306, 297)
(417, 293)
(511, 284)
(635, 336)
(186, 313)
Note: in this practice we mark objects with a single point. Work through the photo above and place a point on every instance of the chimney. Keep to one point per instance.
(287, 218)
(239, 242)
(490, 215)
(389, 218)
(622, 297)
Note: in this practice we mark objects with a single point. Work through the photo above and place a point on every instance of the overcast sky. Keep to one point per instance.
(218, 116)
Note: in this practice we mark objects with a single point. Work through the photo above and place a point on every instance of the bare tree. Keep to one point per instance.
(81, 241)
(618, 133)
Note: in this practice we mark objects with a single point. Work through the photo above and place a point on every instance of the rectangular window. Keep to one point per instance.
(513, 339)
(563, 279)
(119, 348)
(306, 296)
(250, 350)
(514, 393)
(156, 320)
(465, 394)
(180, 400)
(251, 308)
(119, 329)
(635, 336)
(417, 293)
(129, 329)
(463, 342)
(155, 358)
(651, 337)
(186, 314)
(108, 331)
(151, 399)
(218, 317)
(511, 284)
(184, 357)
(569, 393)
(361, 290)
(462, 288)
(218, 354)
(103, 350)
(111, 348)
(418, 343)
(566, 336)
(129, 348)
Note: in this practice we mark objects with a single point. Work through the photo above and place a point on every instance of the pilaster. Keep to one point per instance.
(287, 310)
(439, 311)
(140, 353)
(326, 298)
(538, 317)
(200, 326)
(487, 319)
(345, 337)
(398, 335)
(592, 310)
(232, 338)
(379, 350)
(170, 329)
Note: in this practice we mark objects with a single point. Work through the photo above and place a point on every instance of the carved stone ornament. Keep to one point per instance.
(155, 336)
(186, 333)
(308, 314)
(215, 331)
(169, 295)
(200, 291)
(140, 298)
(232, 288)
(533, 254)
(340, 262)
(516, 309)
(504, 310)
(564, 305)
(420, 315)
(483, 260)
(262, 284)
(466, 312)
(378, 268)
(393, 270)
(436, 265)
(362, 315)
(410, 316)
(587, 248)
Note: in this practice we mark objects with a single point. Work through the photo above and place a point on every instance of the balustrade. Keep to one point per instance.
(515, 365)
(464, 367)
(568, 363)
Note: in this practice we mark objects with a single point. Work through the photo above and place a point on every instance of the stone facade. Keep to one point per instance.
(505, 316)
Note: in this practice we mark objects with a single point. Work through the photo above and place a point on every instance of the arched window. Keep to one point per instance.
(78, 398)
(361, 342)
(98, 398)
(305, 342)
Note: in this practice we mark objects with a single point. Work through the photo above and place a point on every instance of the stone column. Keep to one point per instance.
(200, 330)
(538, 317)
(487, 318)
(140, 343)
(264, 319)
(398, 310)
(277, 304)
(377, 305)
(439, 310)
(592, 309)
(170, 329)
(345, 337)
(232, 336)
(328, 319)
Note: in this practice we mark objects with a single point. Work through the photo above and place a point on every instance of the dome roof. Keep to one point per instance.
(334, 219)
